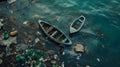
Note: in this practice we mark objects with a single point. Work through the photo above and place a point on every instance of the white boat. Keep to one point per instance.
(53, 33)
(77, 24)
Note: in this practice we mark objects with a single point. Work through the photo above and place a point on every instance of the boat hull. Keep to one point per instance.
(77, 24)
(53, 33)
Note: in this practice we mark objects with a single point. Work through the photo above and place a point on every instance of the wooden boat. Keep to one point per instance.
(53, 33)
(77, 24)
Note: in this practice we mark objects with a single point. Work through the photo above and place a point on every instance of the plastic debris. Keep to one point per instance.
(21, 47)
(53, 62)
(38, 33)
(1, 61)
(6, 35)
(11, 11)
(63, 53)
(87, 66)
(7, 51)
(25, 22)
(98, 59)
(79, 48)
(55, 56)
(21, 57)
(62, 65)
(1, 20)
(9, 41)
(78, 57)
(29, 52)
(41, 59)
(1, 24)
(11, 1)
(37, 40)
(14, 33)
(54, 65)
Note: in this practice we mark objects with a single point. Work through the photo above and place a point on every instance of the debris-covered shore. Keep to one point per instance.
(18, 45)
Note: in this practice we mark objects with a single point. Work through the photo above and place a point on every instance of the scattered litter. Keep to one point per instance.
(41, 59)
(55, 56)
(87, 66)
(62, 64)
(11, 1)
(38, 33)
(53, 62)
(98, 59)
(11, 11)
(1, 24)
(14, 33)
(1, 20)
(78, 57)
(37, 40)
(25, 22)
(6, 35)
(1, 61)
(79, 48)
(21, 47)
(63, 53)
(9, 41)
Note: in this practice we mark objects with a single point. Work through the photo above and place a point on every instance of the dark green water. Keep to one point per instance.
(102, 15)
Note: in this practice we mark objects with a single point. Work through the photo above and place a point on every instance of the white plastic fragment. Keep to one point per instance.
(55, 56)
(37, 40)
(87, 66)
(11, 1)
(11, 11)
(1, 20)
(41, 59)
(62, 64)
(78, 57)
(1, 25)
(98, 59)
(25, 22)
(38, 32)
(1, 61)
(63, 53)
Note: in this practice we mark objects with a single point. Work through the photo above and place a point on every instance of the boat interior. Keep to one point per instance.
(76, 24)
(54, 33)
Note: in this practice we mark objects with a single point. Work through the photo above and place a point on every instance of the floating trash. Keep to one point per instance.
(19, 58)
(98, 59)
(25, 22)
(11, 1)
(1, 24)
(79, 48)
(87, 66)
(1, 61)
(37, 40)
(14, 33)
